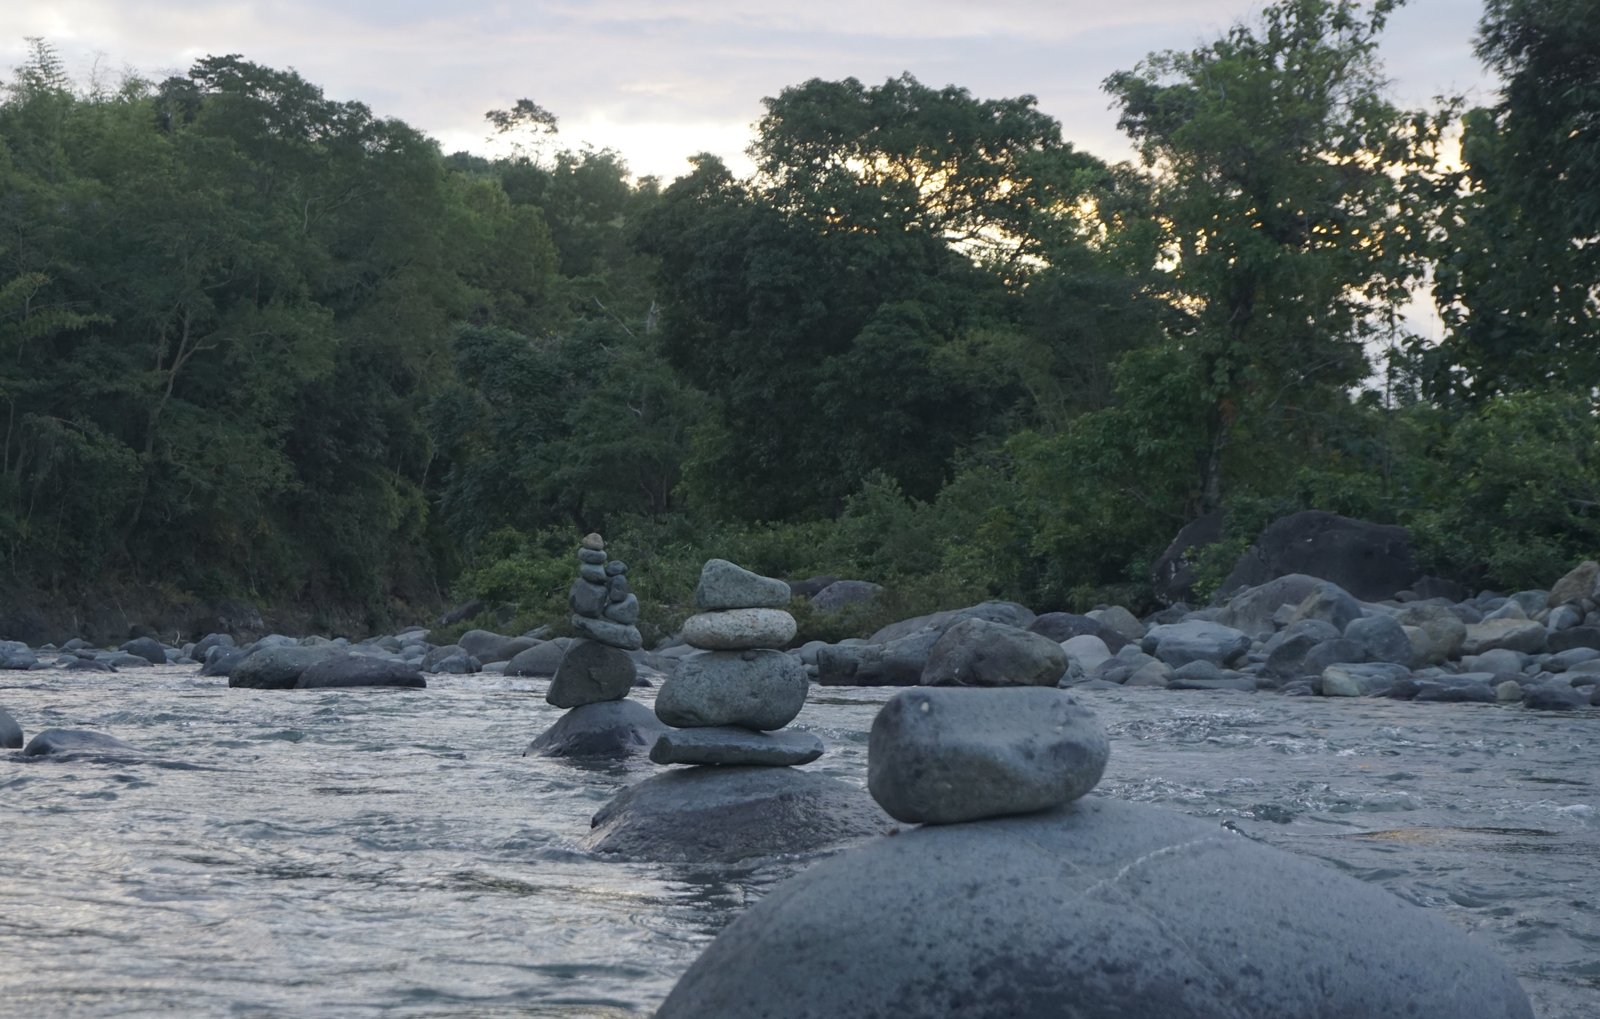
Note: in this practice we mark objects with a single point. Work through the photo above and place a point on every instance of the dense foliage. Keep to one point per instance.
(256, 342)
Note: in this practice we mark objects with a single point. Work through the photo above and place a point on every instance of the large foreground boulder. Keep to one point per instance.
(1098, 910)
(725, 814)
(1371, 561)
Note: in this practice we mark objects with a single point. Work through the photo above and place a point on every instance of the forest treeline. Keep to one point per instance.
(259, 343)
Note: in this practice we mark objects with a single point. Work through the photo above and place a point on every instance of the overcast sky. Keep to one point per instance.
(659, 80)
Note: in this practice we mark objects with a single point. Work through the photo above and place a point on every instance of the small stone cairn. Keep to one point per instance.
(727, 700)
(597, 667)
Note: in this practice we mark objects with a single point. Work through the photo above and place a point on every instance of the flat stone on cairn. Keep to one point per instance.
(596, 672)
(729, 744)
(739, 629)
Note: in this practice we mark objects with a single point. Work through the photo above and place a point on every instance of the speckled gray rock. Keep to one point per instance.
(78, 743)
(10, 731)
(939, 756)
(736, 629)
(540, 660)
(723, 585)
(591, 673)
(605, 730)
(1252, 610)
(1099, 910)
(1517, 634)
(1383, 638)
(758, 689)
(976, 652)
(708, 814)
(733, 745)
(360, 670)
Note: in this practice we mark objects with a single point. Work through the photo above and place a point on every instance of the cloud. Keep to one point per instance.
(661, 79)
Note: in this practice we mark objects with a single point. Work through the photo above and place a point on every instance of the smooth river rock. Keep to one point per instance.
(10, 731)
(724, 585)
(728, 744)
(758, 689)
(342, 671)
(277, 666)
(607, 729)
(77, 743)
(939, 756)
(737, 629)
(590, 673)
(1097, 910)
(701, 815)
(977, 652)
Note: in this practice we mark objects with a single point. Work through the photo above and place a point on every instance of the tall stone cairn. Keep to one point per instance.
(728, 700)
(597, 666)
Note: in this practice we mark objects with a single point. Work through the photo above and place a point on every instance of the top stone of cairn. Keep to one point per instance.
(592, 540)
(724, 585)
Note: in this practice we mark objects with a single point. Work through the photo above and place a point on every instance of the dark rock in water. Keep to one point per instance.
(489, 647)
(540, 660)
(16, 655)
(589, 673)
(897, 663)
(939, 756)
(1371, 561)
(203, 646)
(360, 670)
(1172, 576)
(1195, 640)
(10, 731)
(707, 814)
(124, 660)
(727, 744)
(277, 666)
(1465, 688)
(724, 585)
(844, 593)
(221, 660)
(147, 648)
(756, 689)
(75, 742)
(607, 729)
(1007, 612)
(89, 665)
(1234, 683)
(1555, 696)
(1061, 626)
(976, 652)
(1098, 910)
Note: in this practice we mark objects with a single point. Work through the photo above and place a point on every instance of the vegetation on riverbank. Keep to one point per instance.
(263, 345)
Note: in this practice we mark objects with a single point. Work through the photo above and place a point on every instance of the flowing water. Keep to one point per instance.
(391, 853)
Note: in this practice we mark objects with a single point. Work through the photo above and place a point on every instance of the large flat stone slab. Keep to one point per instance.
(733, 745)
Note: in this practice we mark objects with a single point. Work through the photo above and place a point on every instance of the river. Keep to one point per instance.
(373, 853)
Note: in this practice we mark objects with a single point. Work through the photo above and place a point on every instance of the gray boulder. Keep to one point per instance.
(543, 659)
(277, 666)
(1063, 626)
(1172, 576)
(1517, 634)
(203, 646)
(222, 659)
(724, 585)
(1122, 622)
(10, 731)
(1581, 584)
(737, 629)
(488, 647)
(976, 652)
(1087, 652)
(1097, 910)
(1253, 610)
(843, 593)
(1330, 603)
(1383, 639)
(590, 673)
(16, 655)
(147, 648)
(939, 756)
(1371, 561)
(1195, 640)
(734, 745)
(1350, 679)
(898, 663)
(704, 814)
(1445, 630)
(1339, 651)
(351, 670)
(1574, 637)
(608, 729)
(1287, 650)
(760, 689)
(1555, 696)
(1009, 613)
(78, 743)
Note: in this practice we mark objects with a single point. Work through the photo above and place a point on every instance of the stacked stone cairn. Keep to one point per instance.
(596, 671)
(727, 701)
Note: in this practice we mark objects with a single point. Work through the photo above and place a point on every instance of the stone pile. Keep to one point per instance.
(727, 700)
(1118, 908)
(596, 671)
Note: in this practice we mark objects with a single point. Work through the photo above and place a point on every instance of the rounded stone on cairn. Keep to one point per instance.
(624, 611)
(592, 556)
(593, 574)
(617, 588)
(939, 756)
(586, 598)
(590, 673)
(592, 540)
(606, 729)
(738, 629)
(724, 585)
(729, 744)
(616, 568)
(759, 689)
(1098, 910)
(606, 632)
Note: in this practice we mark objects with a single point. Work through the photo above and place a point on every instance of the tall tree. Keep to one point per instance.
(1279, 168)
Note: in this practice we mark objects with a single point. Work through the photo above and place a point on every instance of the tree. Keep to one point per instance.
(1279, 170)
